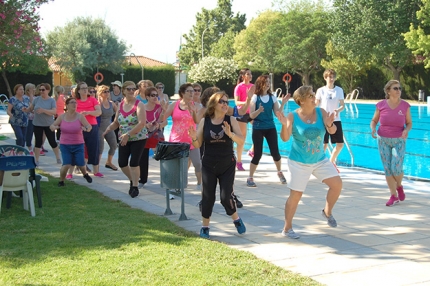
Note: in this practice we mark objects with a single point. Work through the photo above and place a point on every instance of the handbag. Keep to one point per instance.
(153, 138)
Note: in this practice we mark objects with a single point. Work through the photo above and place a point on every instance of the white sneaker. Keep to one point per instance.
(140, 186)
(171, 197)
(290, 233)
(199, 187)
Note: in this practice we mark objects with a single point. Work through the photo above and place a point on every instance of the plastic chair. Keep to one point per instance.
(16, 170)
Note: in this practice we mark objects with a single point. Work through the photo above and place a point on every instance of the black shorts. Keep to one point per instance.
(336, 137)
(245, 118)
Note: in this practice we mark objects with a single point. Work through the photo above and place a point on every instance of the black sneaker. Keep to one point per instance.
(134, 192)
(238, 203)
(200, 206)
(61, 184)
(88, 178)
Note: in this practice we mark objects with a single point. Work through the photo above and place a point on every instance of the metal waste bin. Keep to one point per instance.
(173, 159)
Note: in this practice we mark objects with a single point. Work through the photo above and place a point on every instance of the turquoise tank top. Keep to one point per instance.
(308, 140)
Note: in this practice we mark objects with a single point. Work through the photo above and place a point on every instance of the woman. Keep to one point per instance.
(29, 91)
(142, 86)
(184, 115)
(130, 119)
(196, 95)
(240, 96)
(90, 108)
(92, 92)
(263, 104)
(307, 125)
(217, 131)
(72, 140)
(108, 109)
(395, 122)
(154, 125)
(161, 95)
(44, 108)
(18, 119)
(60, 99)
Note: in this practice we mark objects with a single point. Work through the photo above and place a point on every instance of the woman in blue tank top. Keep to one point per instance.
(307, 125)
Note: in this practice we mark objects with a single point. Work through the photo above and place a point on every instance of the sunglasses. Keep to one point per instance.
(190, 90)
(92, 91)
(83, 88)
(222, 101)
(397, 88)
(312, 95)
(105, 91)
(72, 102)
(197, 90)
(42, 89)
(131, 88)
(153, 95)
(160, 87)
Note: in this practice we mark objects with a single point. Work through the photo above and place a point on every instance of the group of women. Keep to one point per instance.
(211, 127)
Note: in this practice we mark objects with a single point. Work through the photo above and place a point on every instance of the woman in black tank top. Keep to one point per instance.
(217, 132)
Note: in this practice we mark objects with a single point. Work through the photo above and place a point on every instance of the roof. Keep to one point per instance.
(146, 62)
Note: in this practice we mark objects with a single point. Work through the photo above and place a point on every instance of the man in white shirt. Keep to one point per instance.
(332, 99)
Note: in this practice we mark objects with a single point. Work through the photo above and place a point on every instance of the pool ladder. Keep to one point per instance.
(345, 142)
(3, 100)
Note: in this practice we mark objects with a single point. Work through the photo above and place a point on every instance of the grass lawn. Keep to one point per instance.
(80, 237)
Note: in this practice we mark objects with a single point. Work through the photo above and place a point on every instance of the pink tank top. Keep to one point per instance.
(182, 120)
(71, 132)
(392, 121)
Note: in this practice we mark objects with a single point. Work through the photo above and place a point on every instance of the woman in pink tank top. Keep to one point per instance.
(72, 124)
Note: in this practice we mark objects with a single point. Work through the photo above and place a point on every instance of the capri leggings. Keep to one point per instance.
(271, 136)
(92, 144)
(38, 136)
(110, 139)
(214, 170)
(392, 160)
(195, 159)
(132, 149)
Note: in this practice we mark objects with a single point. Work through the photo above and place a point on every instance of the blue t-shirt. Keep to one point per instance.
(265, 119)
(141, 99)
(308, 139)
(19, 118)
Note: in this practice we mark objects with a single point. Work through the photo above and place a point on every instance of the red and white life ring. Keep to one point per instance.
(287, 77)
(98, 77)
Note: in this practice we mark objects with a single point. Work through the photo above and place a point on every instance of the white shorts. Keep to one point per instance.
(300, 173)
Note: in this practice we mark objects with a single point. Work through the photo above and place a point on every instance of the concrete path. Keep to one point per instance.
(372, 245)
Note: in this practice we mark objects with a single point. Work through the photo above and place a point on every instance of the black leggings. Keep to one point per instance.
(38, 136)
(144, 162)
(214, 170)
(133, 149)
(271, 136)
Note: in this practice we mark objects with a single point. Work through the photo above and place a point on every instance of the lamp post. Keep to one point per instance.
(132, 54)
(202, 39)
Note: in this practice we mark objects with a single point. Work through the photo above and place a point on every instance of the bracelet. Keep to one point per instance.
(330, 125)
(232, 135)
(194, 140)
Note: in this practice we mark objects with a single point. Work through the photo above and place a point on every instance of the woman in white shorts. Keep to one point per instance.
(307, 125)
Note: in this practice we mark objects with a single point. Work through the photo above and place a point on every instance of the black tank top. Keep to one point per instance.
(217, 143)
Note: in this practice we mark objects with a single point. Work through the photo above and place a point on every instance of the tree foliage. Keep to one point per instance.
(418, 37)
(21, 46)
(212, 25)
(372, 30)
(85, 45)
(211, 70)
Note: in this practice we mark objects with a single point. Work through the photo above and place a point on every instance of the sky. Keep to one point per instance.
(136, 21)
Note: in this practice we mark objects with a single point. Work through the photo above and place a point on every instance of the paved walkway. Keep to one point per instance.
(372, 245)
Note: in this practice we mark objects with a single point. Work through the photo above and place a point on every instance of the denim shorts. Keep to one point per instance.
(73, 154)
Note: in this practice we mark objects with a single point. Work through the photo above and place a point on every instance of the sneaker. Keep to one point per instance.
(133, 192)
(251, 153)
(290, 233)
(239, 166)
(239, 226)
(393, 200)
(204, 232)
(199, 187)
(100, 175)
(42, 153)
(330, 219)
(200, 206)
(250, 182)
(238, 203)
(140, 186)
(61, 184)
(171, 197)
(401, 193)
(69, 177)
(282, 178)
(88, 178)
(31, 153)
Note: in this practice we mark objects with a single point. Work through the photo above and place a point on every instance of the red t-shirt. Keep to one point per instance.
(88, 105)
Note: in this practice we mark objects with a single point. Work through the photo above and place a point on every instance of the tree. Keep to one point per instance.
(303, 33)
(84, 45)
(223, 47)
(211, 70)
(418, 37)
(21, 46)
(372, 30)
(212, 25)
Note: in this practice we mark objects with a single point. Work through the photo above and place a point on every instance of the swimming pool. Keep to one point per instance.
(356, 126)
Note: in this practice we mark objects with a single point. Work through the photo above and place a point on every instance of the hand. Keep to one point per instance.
(40, 110)
(227, 129)
(84, 113)
(54, 127)
(374, 133)
(192, 132)
(250, 92)
(123, 139)
(329, 119)
(281, 117)
(405, 134)
(260, 109)
(285, 98)
(164, 104)
(192, 107)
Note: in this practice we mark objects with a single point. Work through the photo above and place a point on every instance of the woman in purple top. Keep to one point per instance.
(395, 122)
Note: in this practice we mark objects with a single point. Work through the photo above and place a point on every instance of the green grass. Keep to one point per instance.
(80, 237)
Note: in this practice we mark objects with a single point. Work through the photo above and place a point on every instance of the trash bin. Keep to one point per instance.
(173, 159)
(421, 95)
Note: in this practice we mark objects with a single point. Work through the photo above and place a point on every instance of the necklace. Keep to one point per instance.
(308, 117)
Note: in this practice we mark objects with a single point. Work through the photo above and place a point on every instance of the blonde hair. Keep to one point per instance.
(213, 102)
(125, 84)
(388, 85)
(58, 90)
(100, 90)
(300, 94)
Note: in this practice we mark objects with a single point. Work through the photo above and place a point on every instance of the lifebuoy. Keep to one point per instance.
(287, 77)
(98, 77)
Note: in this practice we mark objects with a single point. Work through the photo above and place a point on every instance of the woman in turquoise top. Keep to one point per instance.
(307, 125)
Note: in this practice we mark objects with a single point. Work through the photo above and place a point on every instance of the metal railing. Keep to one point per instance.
(353, 95)
(345, 142)
(3, 101)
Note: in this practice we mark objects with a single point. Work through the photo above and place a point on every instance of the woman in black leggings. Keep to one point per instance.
(215, 131)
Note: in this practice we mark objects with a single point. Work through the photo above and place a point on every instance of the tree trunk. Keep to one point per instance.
(395, 70)
(305, 77)
(9, 91)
